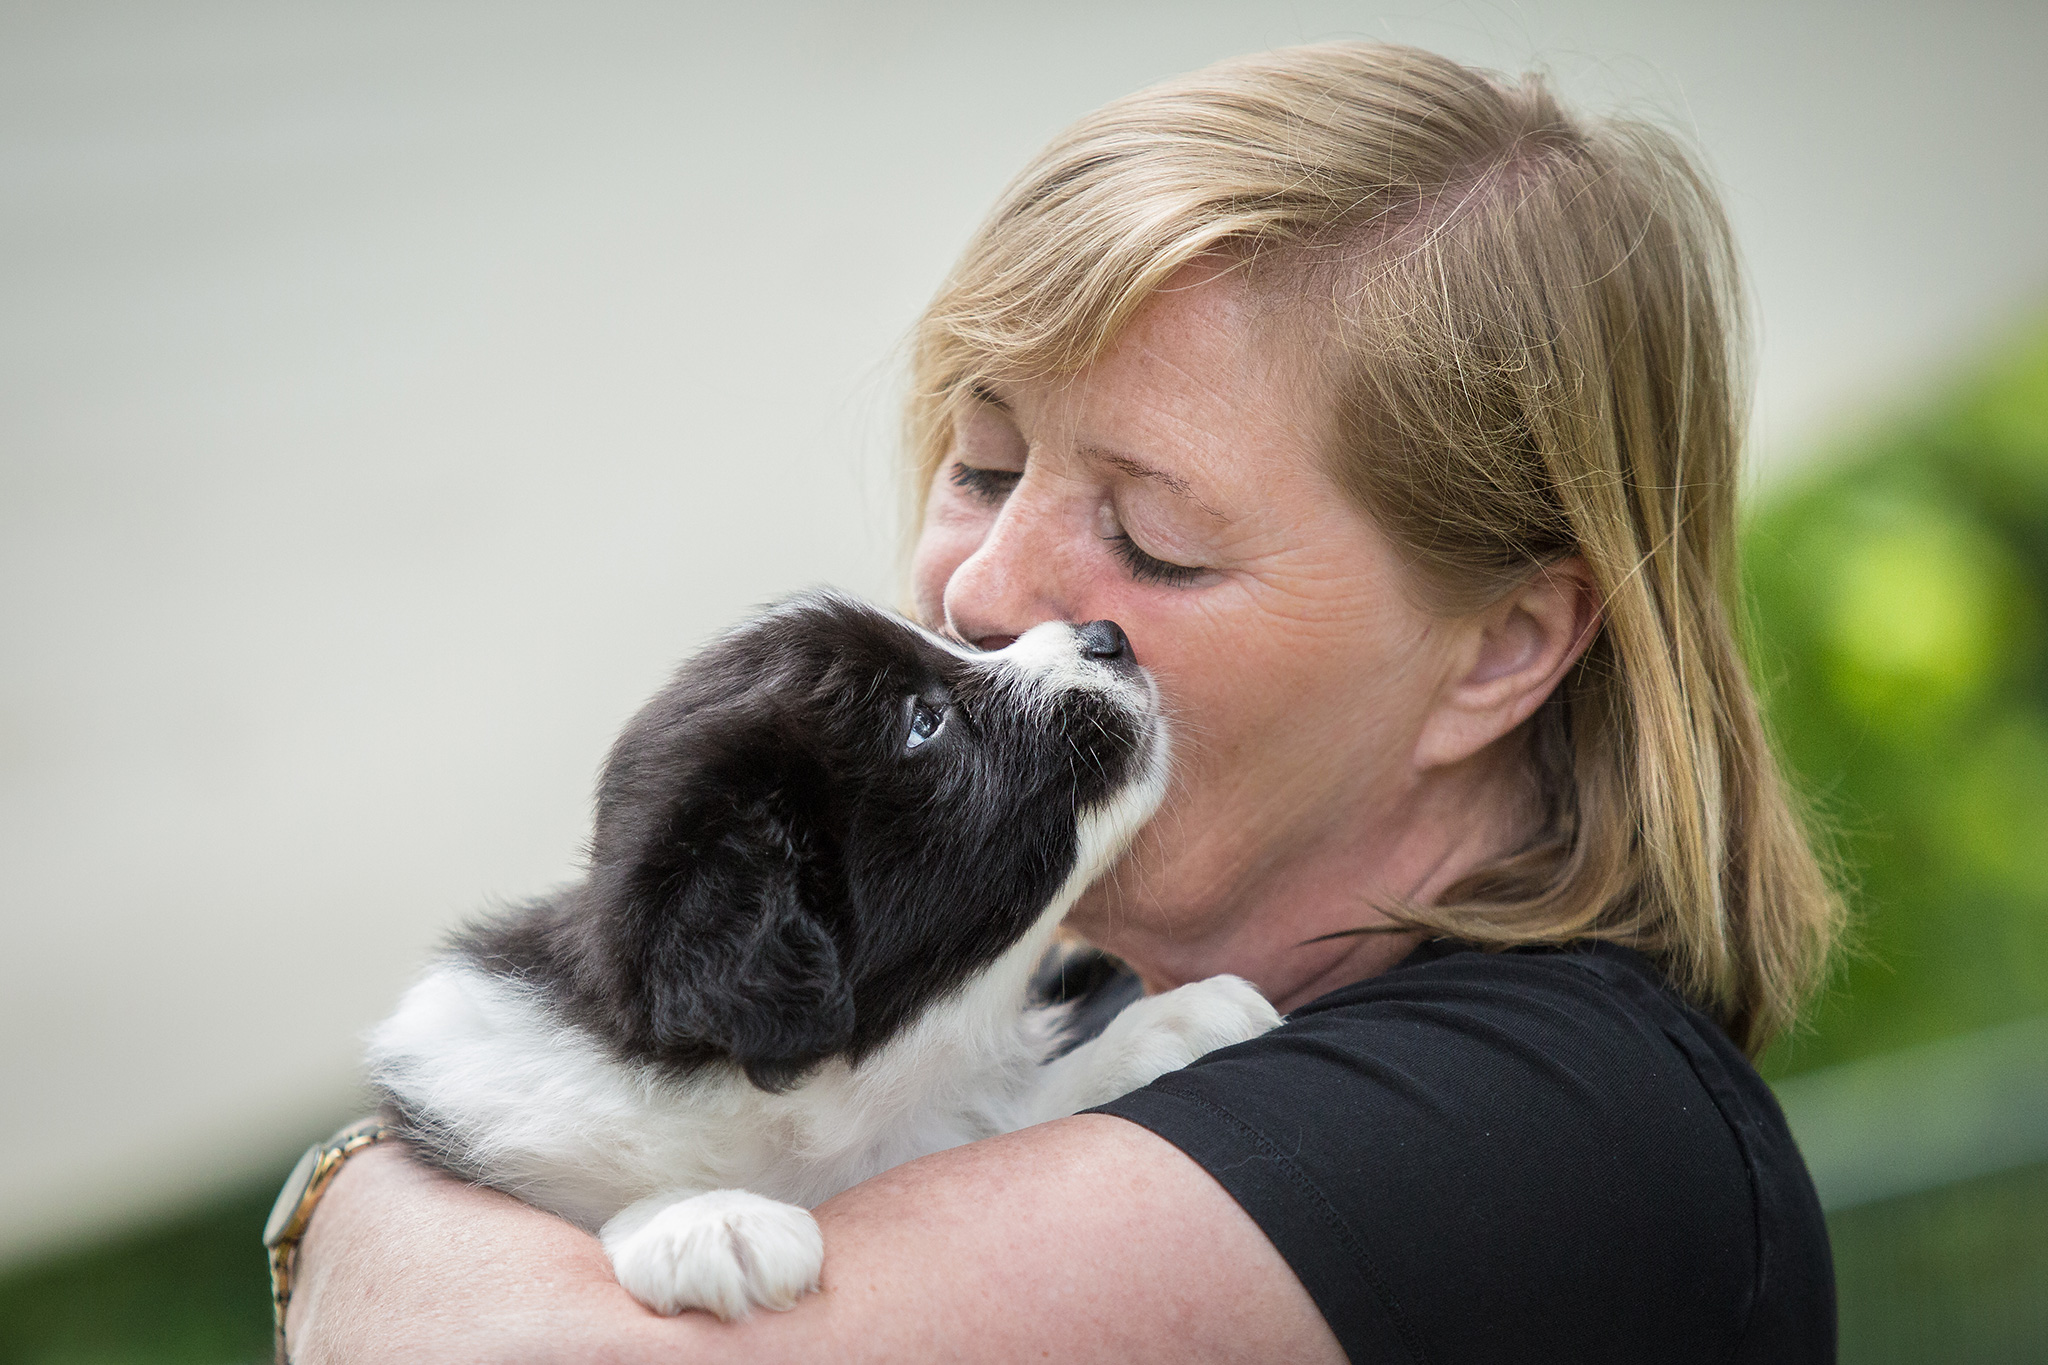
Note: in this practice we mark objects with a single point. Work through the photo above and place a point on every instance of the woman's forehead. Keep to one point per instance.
(1196, 398)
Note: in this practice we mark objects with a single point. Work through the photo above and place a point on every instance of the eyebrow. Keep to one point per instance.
(1115, 459)
(1137, 469)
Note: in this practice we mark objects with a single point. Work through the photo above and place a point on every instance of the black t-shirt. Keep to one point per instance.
(1515, 1156)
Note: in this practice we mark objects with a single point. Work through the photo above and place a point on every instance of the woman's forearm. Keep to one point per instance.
(1085, 1239)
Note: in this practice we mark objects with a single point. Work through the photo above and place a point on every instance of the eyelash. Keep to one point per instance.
(993, 485)
(1146, 569)
(989, 485)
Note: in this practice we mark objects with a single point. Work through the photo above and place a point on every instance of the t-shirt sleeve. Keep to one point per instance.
(1481, 1159)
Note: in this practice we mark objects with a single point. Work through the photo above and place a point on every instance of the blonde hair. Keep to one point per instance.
(1530, 321)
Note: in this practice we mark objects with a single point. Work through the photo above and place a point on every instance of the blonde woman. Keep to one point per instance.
(1393, 412)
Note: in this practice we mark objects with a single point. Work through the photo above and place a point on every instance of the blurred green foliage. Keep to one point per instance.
(192, 1290)
(1899, 595)
(1899, 598)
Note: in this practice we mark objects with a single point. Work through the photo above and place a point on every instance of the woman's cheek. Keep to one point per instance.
(1214, 659)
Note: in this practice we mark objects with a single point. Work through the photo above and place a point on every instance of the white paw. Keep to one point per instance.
(1165, 1032)
(725, 1252)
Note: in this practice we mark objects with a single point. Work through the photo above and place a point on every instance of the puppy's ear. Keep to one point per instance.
(728, 959)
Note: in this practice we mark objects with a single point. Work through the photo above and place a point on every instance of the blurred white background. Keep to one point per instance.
(392, 392)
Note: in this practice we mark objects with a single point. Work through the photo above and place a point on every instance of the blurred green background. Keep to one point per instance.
(1899, 588)
(1898, 591)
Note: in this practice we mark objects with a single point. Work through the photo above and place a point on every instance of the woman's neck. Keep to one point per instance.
(1293, 928)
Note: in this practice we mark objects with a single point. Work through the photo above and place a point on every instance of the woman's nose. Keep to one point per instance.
(1014, 579)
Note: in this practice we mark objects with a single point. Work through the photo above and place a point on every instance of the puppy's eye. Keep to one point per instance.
(926, 721)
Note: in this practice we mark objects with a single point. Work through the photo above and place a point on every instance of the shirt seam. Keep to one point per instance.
(1761, 1246)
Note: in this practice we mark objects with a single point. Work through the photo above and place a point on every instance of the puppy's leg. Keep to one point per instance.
(1153, 1036)
(725, 1251)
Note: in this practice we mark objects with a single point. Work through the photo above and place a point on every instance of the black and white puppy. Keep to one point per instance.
(826, 860)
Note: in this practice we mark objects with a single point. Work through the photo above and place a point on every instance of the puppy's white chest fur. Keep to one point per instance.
(569, 1127)
(699, 1184)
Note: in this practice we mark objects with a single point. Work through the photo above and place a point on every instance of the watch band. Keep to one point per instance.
(295, 1202)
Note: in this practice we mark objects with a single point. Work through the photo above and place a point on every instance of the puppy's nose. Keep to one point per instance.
(1105, 642)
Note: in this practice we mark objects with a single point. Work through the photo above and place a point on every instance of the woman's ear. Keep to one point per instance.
(1509, 658)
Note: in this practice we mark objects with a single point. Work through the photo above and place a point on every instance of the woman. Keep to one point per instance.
(1390, 410)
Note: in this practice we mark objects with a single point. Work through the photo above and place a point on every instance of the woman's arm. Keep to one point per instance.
(1085, 1239)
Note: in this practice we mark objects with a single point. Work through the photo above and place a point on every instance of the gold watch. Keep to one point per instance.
(294, 1208)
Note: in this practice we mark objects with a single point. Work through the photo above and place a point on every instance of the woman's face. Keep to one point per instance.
(1176, 487)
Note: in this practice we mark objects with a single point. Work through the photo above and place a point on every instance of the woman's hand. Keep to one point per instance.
(1084, 1239)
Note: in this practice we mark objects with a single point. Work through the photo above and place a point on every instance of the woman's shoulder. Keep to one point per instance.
(1552, 1059)
(1601, 1002)
(1555, 1131)
(1590, 1028)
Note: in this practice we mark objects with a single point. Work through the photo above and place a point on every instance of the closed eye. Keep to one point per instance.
(986, 485)
(1147, 569)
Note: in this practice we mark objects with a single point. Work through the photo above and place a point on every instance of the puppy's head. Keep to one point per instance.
(832, 817)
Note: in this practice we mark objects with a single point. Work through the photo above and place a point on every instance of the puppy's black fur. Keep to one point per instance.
(778, 874)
